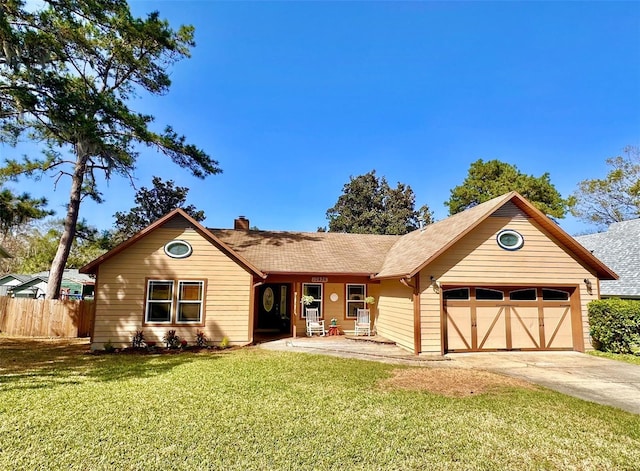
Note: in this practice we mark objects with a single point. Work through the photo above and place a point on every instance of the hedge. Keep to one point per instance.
(615, 325)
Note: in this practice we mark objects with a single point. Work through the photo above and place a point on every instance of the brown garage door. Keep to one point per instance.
(507, 319)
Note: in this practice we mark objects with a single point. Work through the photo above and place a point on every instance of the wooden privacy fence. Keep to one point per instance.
(46, 317)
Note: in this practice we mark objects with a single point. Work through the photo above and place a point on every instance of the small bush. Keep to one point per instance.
(171, 340)
(137, 341)
(224, 343)
(615, 325)
(201, 339)
(108, 347)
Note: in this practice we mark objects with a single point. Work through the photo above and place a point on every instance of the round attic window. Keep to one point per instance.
(510, 240)
(178, 249)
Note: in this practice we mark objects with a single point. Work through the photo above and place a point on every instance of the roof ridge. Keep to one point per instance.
(318, 233)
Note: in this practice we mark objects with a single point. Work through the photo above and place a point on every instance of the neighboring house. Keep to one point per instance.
(10, 280)
(75, 285)
(499, 276)
(619, 248)
(34, 287)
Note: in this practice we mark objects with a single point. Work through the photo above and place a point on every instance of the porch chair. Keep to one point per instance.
(315, 325)
(363, 322)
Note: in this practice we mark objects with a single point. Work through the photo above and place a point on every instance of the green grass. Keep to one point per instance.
(628, 358)
(251, 409)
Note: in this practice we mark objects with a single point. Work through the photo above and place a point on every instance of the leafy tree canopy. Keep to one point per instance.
(614, 198)
(67, 74)
(37, 247)
(18, 210)
(487, 180)
(152, 204)
(368, 205)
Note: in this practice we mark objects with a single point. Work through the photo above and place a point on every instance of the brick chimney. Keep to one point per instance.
(241, 224)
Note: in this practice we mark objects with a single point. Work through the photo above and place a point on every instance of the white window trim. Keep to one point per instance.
(556, 290)
(319, 301)
(467, 289)
(149, 302)
(179, 302)
(535, 290)
(168, 245)
(347, 316)
(518, 245)
(174, 302)
(489, 289)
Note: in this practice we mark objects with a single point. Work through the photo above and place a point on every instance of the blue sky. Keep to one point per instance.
(293, 98)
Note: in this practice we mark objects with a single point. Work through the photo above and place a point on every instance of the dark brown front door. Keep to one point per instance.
(273, 308)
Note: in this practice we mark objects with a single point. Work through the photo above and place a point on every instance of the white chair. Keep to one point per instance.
(363, 322)
(315, 325)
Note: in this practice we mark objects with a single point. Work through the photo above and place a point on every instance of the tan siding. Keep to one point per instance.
(395, 313)
(477, 259)
(334, 309)
(586, 298)
(430, 318)
(122, 282)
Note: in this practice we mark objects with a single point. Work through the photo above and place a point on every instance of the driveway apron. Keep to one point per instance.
(594, 379)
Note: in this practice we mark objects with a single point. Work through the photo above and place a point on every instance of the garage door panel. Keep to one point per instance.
(557, 327)
(531, 323)
(491, 327)
(458, 327)
(525, 327)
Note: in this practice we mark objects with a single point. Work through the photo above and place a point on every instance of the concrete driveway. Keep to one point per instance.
(584, 376)
(608, 382)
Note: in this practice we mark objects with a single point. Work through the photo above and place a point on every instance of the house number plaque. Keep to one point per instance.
(319, 279)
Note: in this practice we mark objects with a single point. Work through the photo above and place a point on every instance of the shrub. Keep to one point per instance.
(224, 343)
(137, 341)
(171, 340)
(615, 325)
(108, 347)
(201, 339)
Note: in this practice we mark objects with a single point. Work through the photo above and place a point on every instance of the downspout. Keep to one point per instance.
(405, 281)
(417, 335)
(252, 308)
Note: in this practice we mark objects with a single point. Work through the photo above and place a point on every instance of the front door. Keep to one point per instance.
(273, 309)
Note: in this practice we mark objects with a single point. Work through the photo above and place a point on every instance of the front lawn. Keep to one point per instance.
(626, 357)
(253, 409)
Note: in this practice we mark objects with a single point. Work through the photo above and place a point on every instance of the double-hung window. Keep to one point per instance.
(355, 300)
(315, 291)
(174, 302)
(159, 301)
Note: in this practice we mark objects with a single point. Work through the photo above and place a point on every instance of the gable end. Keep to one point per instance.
(511, 211)
(178, 223)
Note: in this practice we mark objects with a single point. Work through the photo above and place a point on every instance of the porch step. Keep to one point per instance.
(372, 339)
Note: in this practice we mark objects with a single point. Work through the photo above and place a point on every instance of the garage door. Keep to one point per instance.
(507, 319)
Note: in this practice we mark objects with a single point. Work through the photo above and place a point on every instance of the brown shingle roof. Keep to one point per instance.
(309, 252)
(414, 250)
(92, 267)
(386, 256)
(417, 249)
